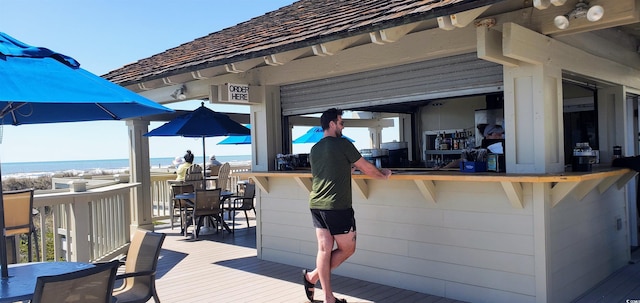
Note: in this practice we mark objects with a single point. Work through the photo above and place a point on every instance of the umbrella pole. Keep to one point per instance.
(3, 239)
(204, 166)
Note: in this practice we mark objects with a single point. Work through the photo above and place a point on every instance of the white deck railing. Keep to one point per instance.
(94, 225)
(161, 193)
(84, 226)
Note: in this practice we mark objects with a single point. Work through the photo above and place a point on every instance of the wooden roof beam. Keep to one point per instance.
(243, 66)
(390, 35)
(332, 47)
(283, 58)
(461, 19)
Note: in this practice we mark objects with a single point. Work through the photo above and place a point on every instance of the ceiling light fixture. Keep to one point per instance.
(180, 93)
(593, 13)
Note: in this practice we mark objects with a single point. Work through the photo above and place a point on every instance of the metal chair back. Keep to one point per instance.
(91, 285)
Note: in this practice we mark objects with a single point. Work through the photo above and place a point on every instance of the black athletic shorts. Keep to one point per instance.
(336, 221)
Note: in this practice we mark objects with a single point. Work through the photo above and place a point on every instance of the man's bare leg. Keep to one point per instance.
(329, 258)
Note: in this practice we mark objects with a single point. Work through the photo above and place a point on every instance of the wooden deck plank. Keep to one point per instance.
(217, 269)
(618, 287)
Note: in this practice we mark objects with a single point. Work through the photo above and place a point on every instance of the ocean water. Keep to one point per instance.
(44, 168)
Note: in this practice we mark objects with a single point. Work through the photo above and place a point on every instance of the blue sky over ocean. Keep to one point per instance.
(104, 35)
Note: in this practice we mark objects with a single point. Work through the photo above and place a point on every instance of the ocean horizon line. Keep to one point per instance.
(97, 166)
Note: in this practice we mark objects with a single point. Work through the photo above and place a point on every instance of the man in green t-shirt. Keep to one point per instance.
(330, 201)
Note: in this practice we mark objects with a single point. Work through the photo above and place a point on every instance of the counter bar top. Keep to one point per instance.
(580, 183)
(456, 175)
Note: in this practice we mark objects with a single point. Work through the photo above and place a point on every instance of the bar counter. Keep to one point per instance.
(511, 237)
(581, 182)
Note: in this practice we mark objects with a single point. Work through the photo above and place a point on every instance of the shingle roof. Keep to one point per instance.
(303, 23)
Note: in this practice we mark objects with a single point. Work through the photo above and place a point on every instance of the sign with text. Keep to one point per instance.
(236, 93)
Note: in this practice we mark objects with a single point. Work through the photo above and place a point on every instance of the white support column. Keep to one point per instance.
(612, 121)
(141, 212)
(615, 120)
(533, 119)
(265, 130)
(266, 126)
(542, 227)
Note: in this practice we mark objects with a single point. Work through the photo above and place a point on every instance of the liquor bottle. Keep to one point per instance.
(438, 141)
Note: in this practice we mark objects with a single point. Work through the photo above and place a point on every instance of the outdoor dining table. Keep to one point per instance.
(21, 283)
(188, 197)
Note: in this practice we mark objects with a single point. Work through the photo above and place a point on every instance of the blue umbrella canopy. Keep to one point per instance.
(314, 135)
(38, 85)
(233, 139)
(201, 123)
(42, 86)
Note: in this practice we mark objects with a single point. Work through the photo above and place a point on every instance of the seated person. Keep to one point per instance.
(213, 162)
(213, 166)
(184, 167)
(176, 162)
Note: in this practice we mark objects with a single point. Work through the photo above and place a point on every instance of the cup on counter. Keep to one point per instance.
(617, 152)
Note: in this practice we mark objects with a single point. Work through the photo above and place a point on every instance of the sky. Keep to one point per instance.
(106, 35)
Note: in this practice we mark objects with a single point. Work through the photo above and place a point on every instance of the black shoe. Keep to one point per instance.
(309, 287)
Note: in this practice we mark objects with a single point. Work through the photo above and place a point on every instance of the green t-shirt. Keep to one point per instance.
(331, 160)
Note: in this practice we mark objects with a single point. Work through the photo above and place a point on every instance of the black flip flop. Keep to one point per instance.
(308, 285)
(340, 300)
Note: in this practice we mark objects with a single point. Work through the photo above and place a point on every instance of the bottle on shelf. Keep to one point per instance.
(438, 141)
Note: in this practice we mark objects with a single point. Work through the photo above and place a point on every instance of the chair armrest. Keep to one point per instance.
(121, 262)
(135, 274)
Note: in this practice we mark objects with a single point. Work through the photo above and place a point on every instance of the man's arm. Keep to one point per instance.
(371, 170)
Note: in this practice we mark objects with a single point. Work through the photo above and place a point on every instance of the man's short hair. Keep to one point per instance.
(328, 116)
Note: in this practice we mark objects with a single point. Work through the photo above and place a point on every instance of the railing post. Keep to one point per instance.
(80, 224)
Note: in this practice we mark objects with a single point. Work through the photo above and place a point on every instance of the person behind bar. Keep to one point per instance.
(492, 140)
(330, 201)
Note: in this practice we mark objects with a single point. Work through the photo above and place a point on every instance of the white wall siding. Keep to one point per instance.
(471, 244)
(586, 245)
(471, 238)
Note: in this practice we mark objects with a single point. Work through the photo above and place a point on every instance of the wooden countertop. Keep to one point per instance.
(580, 183)
(456, 175)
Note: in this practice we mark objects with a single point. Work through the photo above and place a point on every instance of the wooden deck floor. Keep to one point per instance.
(226, 269)
(621, 286)
(217, 269)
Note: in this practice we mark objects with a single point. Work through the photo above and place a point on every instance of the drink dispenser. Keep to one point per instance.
(583, 157)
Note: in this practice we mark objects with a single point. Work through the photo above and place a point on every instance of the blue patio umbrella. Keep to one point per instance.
(41, 86)
(244, 139)
(314, 135)
(201, 123)
(38, 85)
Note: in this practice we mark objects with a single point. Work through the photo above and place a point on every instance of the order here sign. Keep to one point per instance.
(236, 93)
